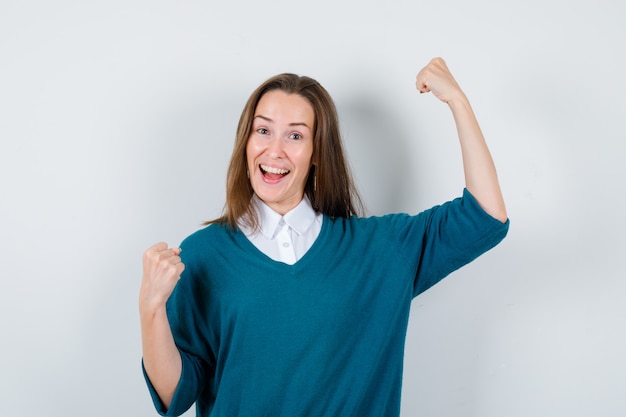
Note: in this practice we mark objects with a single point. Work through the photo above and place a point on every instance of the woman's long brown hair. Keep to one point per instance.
(329, 186)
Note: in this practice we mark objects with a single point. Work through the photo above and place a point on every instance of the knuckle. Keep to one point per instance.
(148, 251)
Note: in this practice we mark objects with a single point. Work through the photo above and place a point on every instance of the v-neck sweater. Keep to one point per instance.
(324, 336)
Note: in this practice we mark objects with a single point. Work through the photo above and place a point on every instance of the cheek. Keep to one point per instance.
(304, 158)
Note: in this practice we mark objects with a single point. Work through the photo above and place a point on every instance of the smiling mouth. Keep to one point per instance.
(273, 173)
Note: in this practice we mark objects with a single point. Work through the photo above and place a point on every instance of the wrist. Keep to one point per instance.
(150, 310)
(458, 100)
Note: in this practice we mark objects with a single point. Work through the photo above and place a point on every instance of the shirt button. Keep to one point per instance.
(285, 245)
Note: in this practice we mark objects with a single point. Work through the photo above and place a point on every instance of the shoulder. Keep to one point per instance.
(378, 225)
(458, 210)
(214, 235)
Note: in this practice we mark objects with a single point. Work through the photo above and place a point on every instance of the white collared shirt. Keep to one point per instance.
(284, 238)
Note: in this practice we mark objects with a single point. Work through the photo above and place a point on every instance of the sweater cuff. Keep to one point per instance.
(177, 407)
(468, 197)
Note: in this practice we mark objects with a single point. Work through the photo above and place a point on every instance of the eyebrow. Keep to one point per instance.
(260, 116)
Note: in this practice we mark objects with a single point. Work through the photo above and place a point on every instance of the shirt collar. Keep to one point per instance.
(300, 218)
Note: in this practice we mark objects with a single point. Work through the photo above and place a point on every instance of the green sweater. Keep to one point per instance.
(322, 337)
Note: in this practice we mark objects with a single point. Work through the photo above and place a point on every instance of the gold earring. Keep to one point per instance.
(314, 182)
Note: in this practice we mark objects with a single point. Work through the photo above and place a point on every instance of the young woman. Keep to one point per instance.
(291, 304)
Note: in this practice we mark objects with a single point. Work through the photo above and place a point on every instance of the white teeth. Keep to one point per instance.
(273, 170)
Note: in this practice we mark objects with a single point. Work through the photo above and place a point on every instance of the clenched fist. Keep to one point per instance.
(162, 267)
(437, 78)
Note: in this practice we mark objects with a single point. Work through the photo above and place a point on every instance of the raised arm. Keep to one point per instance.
(481, 179)
(161, 359)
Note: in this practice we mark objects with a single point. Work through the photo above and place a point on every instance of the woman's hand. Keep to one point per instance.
(437, 79)
(162, 267)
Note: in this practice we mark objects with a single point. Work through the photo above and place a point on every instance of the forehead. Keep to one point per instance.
(280, 106)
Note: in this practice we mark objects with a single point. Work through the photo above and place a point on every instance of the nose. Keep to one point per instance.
(275, 148)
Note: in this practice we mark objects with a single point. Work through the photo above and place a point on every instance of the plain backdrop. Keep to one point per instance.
(117, 120)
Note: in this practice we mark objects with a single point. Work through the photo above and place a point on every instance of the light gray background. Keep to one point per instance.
(116, 124)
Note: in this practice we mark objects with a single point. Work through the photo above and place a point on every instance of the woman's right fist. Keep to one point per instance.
(162, 267)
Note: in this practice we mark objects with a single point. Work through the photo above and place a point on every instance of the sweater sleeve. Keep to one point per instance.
(442, 239)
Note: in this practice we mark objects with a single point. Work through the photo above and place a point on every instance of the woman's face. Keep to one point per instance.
(280, 148)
